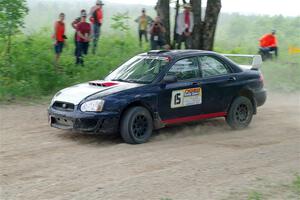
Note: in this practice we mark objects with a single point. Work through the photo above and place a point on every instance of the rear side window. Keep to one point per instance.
(185, 69)
(211, 67)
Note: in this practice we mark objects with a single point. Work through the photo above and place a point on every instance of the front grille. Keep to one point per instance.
(64, 106)
(61, 122)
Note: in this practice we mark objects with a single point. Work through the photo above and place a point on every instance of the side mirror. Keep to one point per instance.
(169, 79)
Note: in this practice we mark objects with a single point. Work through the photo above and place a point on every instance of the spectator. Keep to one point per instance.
(83, 38)
(143, 22)
(59, 37)
(74, 25)
(157, 32)
(96, 20)
(268, 43)
(184, 28)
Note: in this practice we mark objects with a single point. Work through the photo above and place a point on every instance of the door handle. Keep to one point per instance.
(196, 83)
(232, 78)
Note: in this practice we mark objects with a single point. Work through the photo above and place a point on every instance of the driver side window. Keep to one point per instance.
(185, 69)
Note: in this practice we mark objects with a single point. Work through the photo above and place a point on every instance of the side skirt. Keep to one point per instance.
(194, 118)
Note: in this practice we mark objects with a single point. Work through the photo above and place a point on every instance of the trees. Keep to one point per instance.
(204, 30)
(208, 26)
(163, 11)
(12, 13)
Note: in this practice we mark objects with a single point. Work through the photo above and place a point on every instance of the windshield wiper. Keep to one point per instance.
(137, 81)
(119, 79)
(130, 81)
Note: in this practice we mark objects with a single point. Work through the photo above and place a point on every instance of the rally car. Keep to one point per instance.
(160, 88)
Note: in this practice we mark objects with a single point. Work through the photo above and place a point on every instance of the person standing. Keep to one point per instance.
(184, 28)
(83, 31)
(143, 22)
(96, 19)
(59, 37)
(268, 42)
(157, 32)
(74, 25)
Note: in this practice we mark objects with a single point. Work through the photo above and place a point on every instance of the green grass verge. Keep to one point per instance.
(282, 75)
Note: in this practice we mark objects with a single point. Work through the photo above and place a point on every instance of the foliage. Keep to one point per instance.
(120, 22)
(240, 33)
(12, 13)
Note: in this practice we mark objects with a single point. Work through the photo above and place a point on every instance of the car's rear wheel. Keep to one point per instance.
(136, 125)
(240, 113)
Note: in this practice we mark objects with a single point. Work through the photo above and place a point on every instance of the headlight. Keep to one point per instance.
(92, 106)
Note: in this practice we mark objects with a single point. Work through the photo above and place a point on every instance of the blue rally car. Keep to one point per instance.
(158, 88)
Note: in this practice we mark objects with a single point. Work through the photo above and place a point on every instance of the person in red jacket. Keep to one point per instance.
(96, 19)
(59, 36)
(74, 25)
(268, 42)
(83, 32)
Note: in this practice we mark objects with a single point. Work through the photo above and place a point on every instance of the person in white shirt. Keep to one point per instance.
(184, 27)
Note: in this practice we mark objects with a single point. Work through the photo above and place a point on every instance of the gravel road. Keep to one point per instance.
(203, 160)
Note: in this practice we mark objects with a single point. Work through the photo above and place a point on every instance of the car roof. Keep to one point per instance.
(177, 53)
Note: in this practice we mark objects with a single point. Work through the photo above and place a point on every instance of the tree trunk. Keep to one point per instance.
(197, 32)
(204, 31)
(163, 10)
(175, 26)
(210, 23)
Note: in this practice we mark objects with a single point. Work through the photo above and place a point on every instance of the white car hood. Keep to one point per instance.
(77, 93)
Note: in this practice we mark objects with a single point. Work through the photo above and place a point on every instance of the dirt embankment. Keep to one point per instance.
(204, 160)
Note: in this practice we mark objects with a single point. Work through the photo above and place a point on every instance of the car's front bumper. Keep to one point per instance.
(103, 122)
(260, 97)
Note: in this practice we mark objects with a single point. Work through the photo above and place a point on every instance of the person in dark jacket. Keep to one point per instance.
(157, 32)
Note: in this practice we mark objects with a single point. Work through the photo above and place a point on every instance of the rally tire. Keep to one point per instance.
(136, 125)
(240, 113)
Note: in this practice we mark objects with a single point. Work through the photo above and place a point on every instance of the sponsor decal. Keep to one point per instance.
(186, 97)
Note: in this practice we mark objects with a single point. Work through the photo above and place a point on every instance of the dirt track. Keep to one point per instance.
(205, 160)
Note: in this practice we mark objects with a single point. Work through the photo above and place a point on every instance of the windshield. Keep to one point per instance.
(139, 69)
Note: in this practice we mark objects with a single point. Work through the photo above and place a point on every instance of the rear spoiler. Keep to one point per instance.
(256, 60)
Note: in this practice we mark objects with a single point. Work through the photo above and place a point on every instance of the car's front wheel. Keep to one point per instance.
(240, 113)
(136, 125)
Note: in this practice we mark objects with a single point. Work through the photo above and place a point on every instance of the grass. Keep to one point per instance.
(288, 191)
(296, 184)
(283, 75)
(254, 195)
